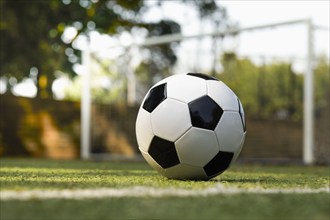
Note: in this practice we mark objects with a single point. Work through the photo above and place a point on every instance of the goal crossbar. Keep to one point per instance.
(308, 122)
(169, 38)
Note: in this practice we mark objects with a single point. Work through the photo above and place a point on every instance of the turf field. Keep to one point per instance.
(45, 189)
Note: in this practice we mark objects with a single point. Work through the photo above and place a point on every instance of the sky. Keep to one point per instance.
(250, 13)
(253, 12)
(285, 43)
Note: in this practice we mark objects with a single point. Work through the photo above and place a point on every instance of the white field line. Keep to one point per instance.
(142, 191)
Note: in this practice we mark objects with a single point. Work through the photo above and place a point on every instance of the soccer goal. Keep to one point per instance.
(113, 124)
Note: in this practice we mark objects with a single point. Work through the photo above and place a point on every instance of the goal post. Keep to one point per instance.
(308, 110)
(308, 100)
(85, 114)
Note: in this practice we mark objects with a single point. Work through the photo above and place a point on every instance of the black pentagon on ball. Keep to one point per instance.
(163, 152)
(203, 76)
(155, 96)
(218, 164)
(205, 113)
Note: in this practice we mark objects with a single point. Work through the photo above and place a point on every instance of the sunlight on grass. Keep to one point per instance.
(42, 174)
(25, 174)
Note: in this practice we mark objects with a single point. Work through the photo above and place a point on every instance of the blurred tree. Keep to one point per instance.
(32, 34)
(217, 15)
(271, 90)
(322, 84)
(284, 91)
(241, 76)
(156, 65)
(158, 59)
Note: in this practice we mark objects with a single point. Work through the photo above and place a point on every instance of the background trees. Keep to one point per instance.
(33, 45)
(32, 34)
(274, 90)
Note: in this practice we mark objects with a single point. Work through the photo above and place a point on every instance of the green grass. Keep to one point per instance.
(26, 174)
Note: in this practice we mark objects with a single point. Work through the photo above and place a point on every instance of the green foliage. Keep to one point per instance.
(32, 31)
(273, 90)
(322, 84)
(240, 75)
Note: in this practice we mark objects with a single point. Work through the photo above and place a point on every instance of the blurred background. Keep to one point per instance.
(74, 72)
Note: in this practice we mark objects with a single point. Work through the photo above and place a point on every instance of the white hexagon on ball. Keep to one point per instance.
(186, 88)
(197, 147)
(222, 95)
(230, 132)
(170, 119)
(241, 112)
(144, 133)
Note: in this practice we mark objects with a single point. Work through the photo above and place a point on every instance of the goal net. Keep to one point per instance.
(283, 85)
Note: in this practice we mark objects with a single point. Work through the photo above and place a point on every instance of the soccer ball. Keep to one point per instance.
(190, 127)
